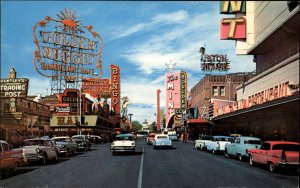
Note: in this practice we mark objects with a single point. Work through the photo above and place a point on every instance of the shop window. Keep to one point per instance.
(222, 90)
(214, 90)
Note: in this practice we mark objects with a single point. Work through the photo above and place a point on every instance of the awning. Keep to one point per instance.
(200, 120)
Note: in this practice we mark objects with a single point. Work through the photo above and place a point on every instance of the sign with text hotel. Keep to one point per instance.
(233, 28)
(115, 88)
(65, 47)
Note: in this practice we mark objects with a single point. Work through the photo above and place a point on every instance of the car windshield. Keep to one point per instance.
(34, 142)
(78, 138)
(286, 147)
(222, 139)
(162, 137)
(252, 142)
(62, 139)
(124, 138)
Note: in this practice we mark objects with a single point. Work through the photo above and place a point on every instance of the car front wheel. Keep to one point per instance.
(251, 161)
(240, 157)
(226, 154)
(272, 167)
(44, 159)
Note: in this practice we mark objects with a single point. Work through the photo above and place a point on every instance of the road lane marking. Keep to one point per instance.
(139, 184)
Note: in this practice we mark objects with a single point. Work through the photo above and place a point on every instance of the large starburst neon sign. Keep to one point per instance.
(63, 48)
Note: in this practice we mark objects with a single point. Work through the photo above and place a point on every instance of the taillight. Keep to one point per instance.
(283, 156)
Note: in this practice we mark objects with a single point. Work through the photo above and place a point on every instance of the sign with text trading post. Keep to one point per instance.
(115, 88)
(14, 88)
(66, 48)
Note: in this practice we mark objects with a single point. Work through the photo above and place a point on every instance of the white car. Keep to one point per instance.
(65, 145)
(202, 141)
(162, 141)
(39, 149)
(217, 143)
(172, 135)
(123, 143)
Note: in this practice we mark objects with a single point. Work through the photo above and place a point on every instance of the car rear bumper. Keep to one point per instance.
(288, 164)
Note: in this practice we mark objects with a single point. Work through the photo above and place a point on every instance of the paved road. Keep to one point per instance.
(180, 167)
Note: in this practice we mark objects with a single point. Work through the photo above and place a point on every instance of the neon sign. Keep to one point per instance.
(64, 51)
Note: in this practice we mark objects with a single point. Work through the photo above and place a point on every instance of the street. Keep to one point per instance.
(180, 167)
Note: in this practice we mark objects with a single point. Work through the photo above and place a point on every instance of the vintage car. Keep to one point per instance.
(276, 154)
(83, 142)
(240, 145)
(217, 143)
(202, 142)
(10, 159)
(172, 135)
(123, 143)
(162, 141)
(150, 138)
(65, 145)
(39, 149)
(95, 139)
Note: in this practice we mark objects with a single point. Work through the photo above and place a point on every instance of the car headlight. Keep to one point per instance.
(132, 143)
(62, 146)
(38, 150)
(112, 144)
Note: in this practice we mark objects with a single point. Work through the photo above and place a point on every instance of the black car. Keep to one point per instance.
(96, 139)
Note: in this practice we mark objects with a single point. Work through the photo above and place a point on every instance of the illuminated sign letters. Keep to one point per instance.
(65, 51)
(115, 88)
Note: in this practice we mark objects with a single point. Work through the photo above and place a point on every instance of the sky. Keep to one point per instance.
(139, 36)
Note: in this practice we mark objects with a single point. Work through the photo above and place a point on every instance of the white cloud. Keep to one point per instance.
(142, 94)
(38, 85)
(157, 21)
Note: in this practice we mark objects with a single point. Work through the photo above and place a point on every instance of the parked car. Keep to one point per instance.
(240, 145)
(10, 158)
(39, 149)
(162, 141)
(150, 138)
(201, 143)
(82, 141)
(217, 143)
(123, 143)
(276, 154)
(65, 145)
(95, 139)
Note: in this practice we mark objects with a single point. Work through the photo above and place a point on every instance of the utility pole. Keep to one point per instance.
(158, 110)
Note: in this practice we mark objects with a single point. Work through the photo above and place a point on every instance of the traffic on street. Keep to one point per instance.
(179, 166)
(149, 94)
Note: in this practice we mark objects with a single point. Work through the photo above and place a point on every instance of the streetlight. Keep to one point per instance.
(78, 128)
(130, 117)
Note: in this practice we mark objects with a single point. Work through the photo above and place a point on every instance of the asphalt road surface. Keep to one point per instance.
(179, 167)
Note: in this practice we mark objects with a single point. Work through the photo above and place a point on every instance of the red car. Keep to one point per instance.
(150, 138)
(276, 154)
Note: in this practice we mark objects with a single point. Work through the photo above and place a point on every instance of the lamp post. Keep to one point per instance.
(80, 114)
(130, 117)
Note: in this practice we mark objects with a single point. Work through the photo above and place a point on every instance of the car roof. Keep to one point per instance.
(123, 135)
(221, 136)
(248, 137)
(281, 142)
(60, 137)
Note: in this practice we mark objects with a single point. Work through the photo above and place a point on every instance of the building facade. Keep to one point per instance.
(268, 104)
